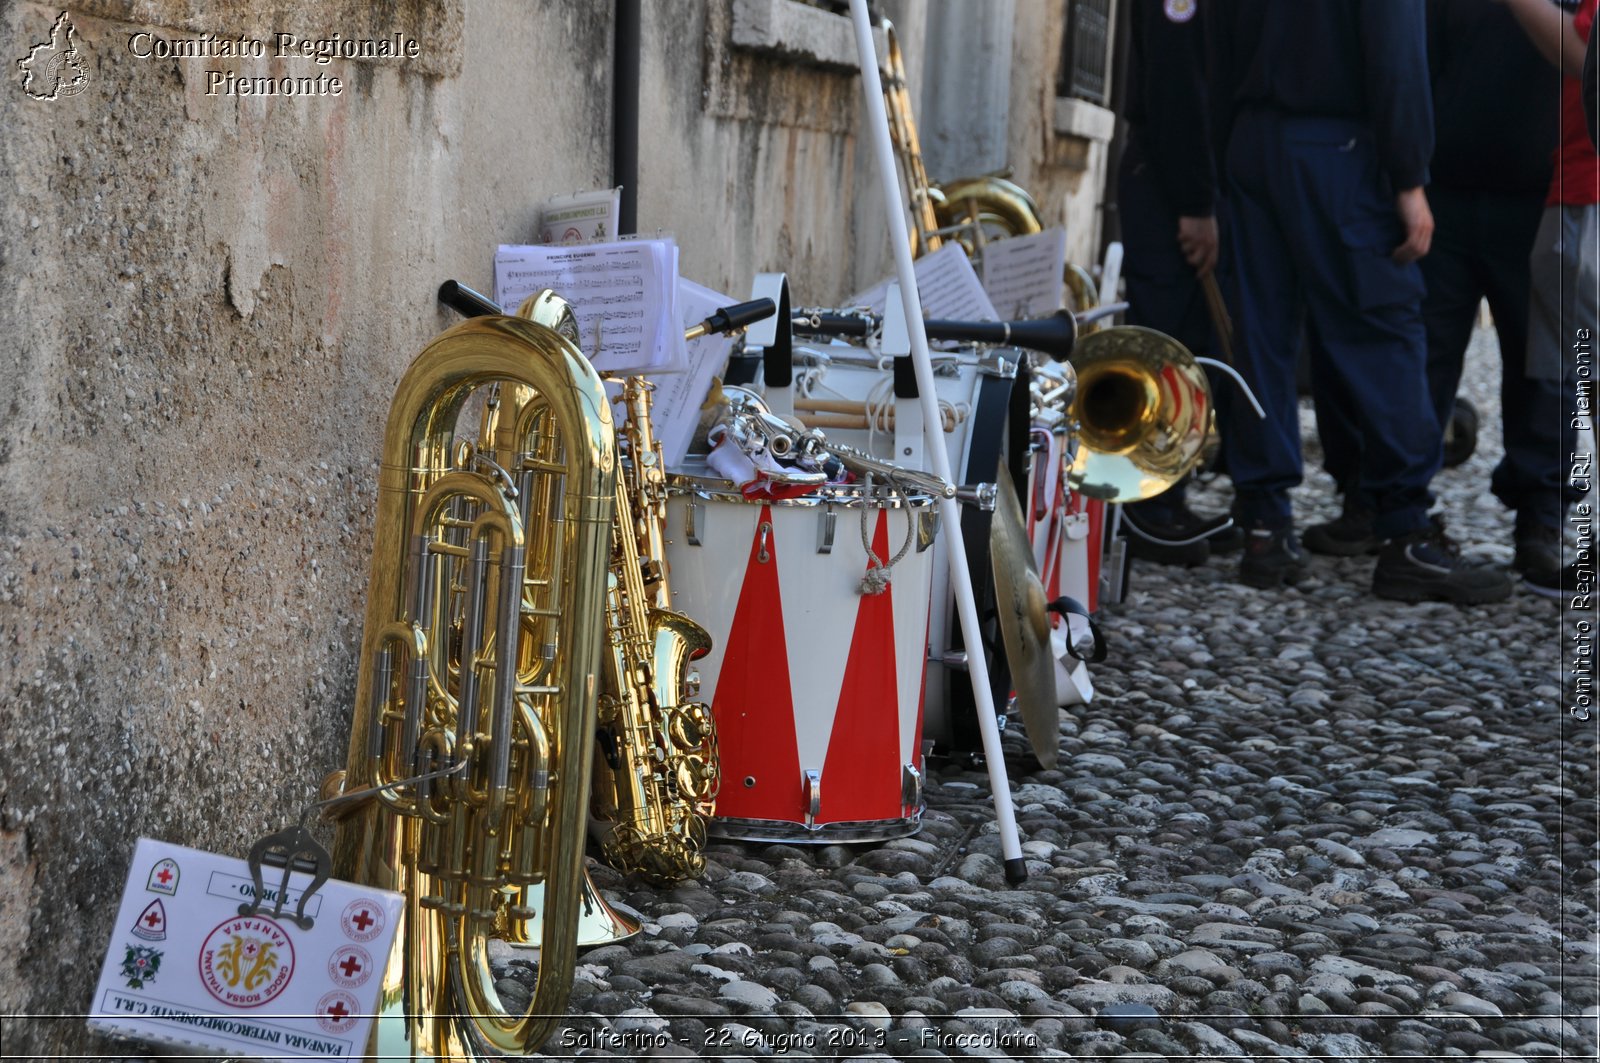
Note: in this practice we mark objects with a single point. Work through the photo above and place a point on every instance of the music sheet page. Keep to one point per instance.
(621, 292)
(947, 284)
(1023, 274)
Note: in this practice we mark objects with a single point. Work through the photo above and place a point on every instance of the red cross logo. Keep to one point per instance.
(350, 966)
(362, 920)
(336, 1012)
(153, 919)
(165, 876)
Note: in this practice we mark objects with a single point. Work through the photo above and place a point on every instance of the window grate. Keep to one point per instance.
(1086, 52)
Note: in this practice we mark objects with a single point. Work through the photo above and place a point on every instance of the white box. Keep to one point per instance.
(187, 971)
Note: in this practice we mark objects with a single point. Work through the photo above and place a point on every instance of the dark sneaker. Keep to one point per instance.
(1165, 538)
(1152, 528)
(1426, 566)
(1550, 583)
(1538, 550)
(1272, 558)
(1348, 536)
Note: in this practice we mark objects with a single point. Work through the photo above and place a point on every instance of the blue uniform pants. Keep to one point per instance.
(1481, 244)
(1312, 223)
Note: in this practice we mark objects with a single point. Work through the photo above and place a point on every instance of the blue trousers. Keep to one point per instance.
(1481, 245)
(1312, 223)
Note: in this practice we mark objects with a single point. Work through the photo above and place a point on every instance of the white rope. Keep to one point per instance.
(876, 581)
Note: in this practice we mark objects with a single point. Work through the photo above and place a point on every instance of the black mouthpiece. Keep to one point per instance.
(740, 315)
(465, 301)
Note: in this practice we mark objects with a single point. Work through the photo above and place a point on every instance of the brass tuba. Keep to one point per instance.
(482, 659)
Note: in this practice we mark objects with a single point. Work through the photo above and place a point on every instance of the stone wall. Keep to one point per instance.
(206, 301)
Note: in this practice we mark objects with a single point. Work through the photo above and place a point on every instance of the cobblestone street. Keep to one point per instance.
(1305, 823)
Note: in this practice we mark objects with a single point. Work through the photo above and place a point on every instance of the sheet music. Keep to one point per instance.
(679, 395)
(621, 292)
(947, 284)
(1023, 274)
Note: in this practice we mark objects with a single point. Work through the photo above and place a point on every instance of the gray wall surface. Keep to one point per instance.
(205, 303)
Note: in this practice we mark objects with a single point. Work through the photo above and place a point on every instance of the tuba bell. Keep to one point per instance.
(1142, 410)
(481, 661)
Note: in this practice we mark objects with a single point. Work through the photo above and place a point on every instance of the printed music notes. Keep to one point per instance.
(676, 412)
(622, 293)
(1023, 274)
(947, 285)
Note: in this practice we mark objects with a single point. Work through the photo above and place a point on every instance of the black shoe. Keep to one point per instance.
(1426, 566)
(1538, 550)
(1348, 536)
(1272, 558)
(1551, 583)
(1176, 538)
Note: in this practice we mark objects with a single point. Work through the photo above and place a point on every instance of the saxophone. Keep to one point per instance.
(655, 773)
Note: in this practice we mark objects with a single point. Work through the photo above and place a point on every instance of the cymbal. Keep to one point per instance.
(1024, 623)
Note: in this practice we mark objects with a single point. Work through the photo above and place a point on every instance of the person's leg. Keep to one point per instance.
(1263, 454)
(1536, 428)
(1367, 309)
(1350, 533)
(1453, 270)
(1562, 305)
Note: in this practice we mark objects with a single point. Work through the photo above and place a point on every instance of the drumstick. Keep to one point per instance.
(838, 413)
(1219, 315)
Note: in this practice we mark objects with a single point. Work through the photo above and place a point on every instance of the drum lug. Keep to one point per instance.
(993, 363)
(1076, 526)
(910, 786)
(825, 523)
(927, 528)
(811, 793)
(763, 555)
(1113, 580)
(955, 660)
(694, 522)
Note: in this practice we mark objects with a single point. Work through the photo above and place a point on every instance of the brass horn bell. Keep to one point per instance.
(1143, 414)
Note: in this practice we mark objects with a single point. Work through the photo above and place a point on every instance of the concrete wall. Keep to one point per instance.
(205, 303)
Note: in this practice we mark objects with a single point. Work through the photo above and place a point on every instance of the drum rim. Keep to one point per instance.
(843, 496)
(843, 832)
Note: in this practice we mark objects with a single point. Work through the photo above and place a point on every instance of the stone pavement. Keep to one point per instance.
(1306, 823)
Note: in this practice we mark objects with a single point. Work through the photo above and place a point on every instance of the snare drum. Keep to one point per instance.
(815, 686)
(976, 391)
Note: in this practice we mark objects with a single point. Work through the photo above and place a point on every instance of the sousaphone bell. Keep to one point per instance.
(1143, 414)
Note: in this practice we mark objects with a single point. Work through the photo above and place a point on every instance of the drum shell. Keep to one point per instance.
(817, 689)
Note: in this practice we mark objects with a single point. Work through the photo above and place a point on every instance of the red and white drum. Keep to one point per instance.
(816, 686)
(971, 392)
